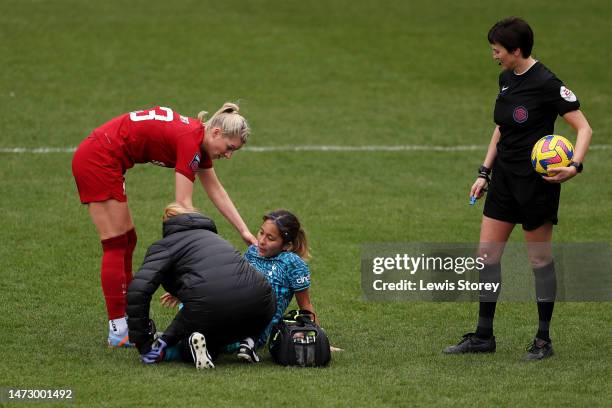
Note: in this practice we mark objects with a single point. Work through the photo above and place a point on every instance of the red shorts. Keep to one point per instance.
(99, 175)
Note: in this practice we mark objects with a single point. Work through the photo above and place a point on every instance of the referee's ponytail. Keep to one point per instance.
(291, 231)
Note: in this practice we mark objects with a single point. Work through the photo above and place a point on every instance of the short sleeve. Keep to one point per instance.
(189, 158)
(251, 254)
(206, 162)
(561, 98)
(298, 274)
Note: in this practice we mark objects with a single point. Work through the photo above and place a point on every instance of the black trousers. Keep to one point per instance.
(226, 325)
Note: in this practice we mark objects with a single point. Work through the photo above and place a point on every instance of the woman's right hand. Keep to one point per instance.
(478, 188)
(167, 300)
(248, 238)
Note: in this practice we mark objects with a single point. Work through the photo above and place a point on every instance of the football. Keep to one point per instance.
(551, 151)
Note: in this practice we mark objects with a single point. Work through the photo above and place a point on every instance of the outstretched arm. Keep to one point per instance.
(183, 192)
(222, 201)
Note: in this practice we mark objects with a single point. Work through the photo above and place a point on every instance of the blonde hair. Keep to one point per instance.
(174, 209)
(231, 123)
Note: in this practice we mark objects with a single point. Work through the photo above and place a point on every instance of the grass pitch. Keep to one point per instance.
(306, 73)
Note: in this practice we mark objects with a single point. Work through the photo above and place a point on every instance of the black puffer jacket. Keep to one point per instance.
(222, 294)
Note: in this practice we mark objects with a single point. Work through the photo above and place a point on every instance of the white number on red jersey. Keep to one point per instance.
(166, 115)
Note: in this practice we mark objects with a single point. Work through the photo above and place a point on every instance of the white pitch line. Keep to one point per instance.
(392, 148)
(314, 148)
(38, 150)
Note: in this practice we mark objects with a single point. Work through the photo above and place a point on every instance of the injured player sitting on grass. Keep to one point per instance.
(224, 298)
(280, 256)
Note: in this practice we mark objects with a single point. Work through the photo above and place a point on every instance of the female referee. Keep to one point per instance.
(529, 100)
(165, 138)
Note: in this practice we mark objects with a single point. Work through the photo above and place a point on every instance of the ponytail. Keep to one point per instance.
(300, 245)
(231, 123)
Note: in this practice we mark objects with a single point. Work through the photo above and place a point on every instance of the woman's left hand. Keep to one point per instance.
(561, 174)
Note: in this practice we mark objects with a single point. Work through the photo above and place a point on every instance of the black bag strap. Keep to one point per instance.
(301, 316)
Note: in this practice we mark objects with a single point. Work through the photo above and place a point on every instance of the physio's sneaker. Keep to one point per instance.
(472, 344)
(119, 340)
(247, 353)
(538, 350)
(199, 352)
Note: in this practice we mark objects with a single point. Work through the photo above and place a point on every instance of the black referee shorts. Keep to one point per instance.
(521, 199)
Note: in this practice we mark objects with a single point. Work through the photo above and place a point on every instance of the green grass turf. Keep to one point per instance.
(306, 73)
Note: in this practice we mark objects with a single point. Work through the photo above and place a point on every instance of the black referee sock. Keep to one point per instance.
(488, 301)
(545, 311)
(486, 314)
(546, 293)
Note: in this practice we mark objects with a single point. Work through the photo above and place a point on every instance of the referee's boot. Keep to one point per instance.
(472, 344)
(539, 350)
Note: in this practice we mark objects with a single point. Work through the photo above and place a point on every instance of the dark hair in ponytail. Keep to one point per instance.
(291, 231)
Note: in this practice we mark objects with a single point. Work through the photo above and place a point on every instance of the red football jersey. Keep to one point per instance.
(159, 136)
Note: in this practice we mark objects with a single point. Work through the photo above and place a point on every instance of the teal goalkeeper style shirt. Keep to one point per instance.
(287, 273)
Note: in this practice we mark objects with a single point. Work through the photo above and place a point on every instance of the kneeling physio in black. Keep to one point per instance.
(224, 298)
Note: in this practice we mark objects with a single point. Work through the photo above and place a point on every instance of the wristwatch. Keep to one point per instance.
(484, 170)
(577, 165)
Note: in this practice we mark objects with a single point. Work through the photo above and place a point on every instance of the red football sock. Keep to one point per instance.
(132, 240)
(113, 275)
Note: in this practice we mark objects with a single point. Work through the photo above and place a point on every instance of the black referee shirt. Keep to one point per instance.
(526, 109)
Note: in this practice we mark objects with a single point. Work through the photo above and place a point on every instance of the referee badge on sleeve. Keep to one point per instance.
(567, 94)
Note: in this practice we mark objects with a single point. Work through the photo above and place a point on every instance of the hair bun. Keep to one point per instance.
(229, 107)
